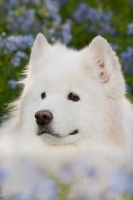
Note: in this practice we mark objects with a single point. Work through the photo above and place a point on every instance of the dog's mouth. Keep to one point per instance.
(74, 132)
(44, 131)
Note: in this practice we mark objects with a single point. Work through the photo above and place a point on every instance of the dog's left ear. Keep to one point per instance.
(104, 64)
(104, 58)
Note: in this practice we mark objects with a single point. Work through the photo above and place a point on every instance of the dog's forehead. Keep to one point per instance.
(60, 77)
(64, 66)
(61, 73)
(63, 69)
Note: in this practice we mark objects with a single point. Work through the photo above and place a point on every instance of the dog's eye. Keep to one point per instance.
(43, 95)
(73, 97)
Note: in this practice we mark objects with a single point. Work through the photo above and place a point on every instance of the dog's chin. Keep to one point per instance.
(54, 138)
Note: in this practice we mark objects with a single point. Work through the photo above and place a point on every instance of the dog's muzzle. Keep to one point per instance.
(43, 120)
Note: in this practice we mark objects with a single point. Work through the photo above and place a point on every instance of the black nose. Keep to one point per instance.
(43, 117)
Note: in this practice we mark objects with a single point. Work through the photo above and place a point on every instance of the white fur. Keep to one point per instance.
(102, 115)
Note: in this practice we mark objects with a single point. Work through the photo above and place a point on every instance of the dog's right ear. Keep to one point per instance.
(39, 48)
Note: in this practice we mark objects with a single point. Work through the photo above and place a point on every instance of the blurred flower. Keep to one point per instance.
(21, 54)
(66, 32)
(24, 21)
(14, 42)
(47, 190)
(42, 187)
(96, 20)
(121, 182)
(127, 60)
(9, 4)
(12, 3)
(129, 89)
(52, 6)
(114, 46)
(130, 29)
(53, 9)
(66, 173)
(88, 169)
(12, 83)
(1, 41)
(25, 195)
(3, 174)
(16, 60)
(81, 12)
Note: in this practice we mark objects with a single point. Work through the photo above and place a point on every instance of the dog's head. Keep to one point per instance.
(72, 95)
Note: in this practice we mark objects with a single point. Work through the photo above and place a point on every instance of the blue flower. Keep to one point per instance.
(25, 21)
(66, 32)
(15, 61)
(21, 54)
(95, 20)
(130, 29)
(121, 182)
(12, 83)
(52, 6)
(25, 195)
(42, 187)
(18, 56)
(81, 12)
(3, 175)
(66, 173)
(1, 41)
(129, 89)
(47, 190)
(127, 60)
(14, 42)
(10, 4)
(115, 47)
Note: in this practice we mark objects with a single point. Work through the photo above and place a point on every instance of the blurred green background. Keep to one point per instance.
(73, 22)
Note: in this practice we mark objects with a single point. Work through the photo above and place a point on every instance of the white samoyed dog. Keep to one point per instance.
(73, 106)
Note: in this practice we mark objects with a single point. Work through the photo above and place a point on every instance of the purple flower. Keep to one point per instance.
(47, 190)
(81, 12)
(10, 4)
(3, 175)
(12, 83)
(24, 21)
(114, 46)
(52, 6)
(129, 89)
(95, 20)
(66, 32)
(14, 42)
(130, 29)
(89, 169)
(16, 60)
(13, 3)
(21, 54)
(25, 195)
(1, 41)
(121, 182)
(127, 60)
(66, 173)
(42, 187)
